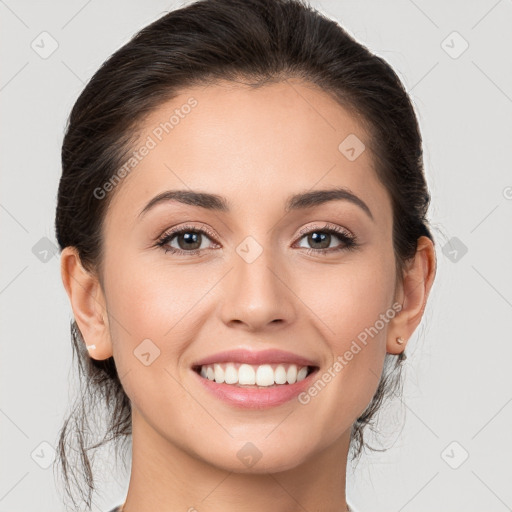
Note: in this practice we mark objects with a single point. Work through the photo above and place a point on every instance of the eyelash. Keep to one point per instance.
(350, 242)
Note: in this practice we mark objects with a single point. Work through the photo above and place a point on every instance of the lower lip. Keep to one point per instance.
(256, 398)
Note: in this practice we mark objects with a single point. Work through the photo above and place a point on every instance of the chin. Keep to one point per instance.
(257, 457)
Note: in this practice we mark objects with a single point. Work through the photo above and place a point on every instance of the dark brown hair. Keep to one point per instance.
(245, 41)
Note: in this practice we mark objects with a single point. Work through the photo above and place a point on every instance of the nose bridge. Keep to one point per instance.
(256, 294)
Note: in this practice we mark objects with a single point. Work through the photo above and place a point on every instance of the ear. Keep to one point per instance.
(413, 293)
(88, 304)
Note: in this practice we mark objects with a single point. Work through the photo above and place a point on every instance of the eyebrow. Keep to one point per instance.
(218, 203)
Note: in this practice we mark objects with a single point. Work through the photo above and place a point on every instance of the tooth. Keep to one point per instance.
(265, 375)
(246, 375)
(209, 373)
(291, 374)
(301, 375)
(280, 375)
(231, 374)
(203, 371)
(219, 373)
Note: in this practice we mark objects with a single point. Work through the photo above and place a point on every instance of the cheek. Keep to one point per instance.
(150, 299)
(349, 298)
(370, 295)
(150, 309)
(155, 301)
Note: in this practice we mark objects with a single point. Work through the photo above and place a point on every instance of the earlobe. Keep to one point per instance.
(416, 286)
(88, 304)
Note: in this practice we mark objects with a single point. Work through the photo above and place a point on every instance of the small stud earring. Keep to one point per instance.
(400, 341)
(91, 346)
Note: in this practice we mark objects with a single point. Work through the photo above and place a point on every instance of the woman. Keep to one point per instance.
(242, 218)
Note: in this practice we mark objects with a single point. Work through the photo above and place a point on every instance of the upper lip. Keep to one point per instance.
(255, 357)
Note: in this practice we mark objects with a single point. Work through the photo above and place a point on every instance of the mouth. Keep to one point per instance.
(264, 376)
(256, 387)
(251, 379)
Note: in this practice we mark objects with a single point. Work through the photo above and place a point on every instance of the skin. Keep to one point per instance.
(256, 148)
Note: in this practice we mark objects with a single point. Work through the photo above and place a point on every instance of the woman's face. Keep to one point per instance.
(265, 277)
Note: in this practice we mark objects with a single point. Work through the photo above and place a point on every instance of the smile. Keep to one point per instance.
(253, 396)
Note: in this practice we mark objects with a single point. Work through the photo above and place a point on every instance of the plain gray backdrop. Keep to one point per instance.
(454, 451)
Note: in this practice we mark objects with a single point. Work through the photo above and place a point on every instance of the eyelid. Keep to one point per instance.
(187, 227)
(327, 226)
(302, 232)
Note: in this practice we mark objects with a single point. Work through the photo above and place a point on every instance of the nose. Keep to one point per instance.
(257, 295)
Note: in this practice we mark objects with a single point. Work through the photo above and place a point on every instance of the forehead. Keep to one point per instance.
(253, 145)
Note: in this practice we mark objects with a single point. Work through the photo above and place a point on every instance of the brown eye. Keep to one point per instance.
(189, 240)
(322, 240)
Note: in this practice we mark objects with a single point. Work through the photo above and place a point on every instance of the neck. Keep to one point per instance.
(167, 478)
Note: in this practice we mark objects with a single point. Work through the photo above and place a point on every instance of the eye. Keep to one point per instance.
(190, 240)
(321, 239)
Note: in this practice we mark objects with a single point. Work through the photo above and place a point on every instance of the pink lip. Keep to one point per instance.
(255, 357)
(253, 397)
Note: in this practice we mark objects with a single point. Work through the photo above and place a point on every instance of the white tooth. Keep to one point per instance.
(265, 375)
(209, 373)
(246, 374)
(219, 373)
(203, 371)
(301, 375)
(280, 375)
(231, 374)
(291, 374)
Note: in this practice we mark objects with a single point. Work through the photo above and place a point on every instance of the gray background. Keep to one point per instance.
(458, 393)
